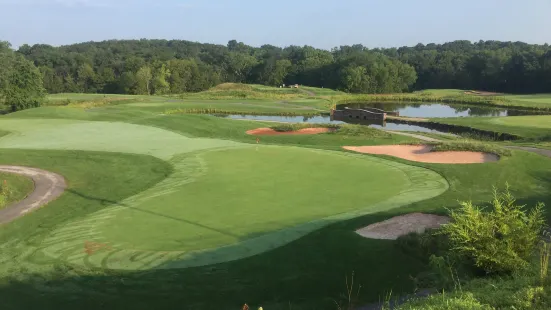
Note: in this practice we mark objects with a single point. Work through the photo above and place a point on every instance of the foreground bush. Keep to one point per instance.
(501, 240)
(443, 302)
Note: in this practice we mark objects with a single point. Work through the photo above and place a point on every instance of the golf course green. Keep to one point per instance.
(224, 200)
(161, 203)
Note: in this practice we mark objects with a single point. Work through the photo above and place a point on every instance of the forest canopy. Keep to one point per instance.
(175, 66)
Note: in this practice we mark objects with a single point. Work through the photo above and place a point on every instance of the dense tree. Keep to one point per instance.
(143, 81)
(21, 85)
(183, 66)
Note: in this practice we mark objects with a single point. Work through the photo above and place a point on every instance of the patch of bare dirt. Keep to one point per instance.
(402, 225)
(423, 154)
(304, 131)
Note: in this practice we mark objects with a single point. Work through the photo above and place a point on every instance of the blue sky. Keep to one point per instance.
(320, 23)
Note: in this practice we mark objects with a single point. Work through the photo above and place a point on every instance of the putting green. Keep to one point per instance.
(224, 200)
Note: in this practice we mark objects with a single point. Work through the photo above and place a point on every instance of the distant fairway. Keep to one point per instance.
(101, 136)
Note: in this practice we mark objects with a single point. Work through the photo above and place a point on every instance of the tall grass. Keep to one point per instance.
(464, 146)
(243, 91)
(229, 112)
(469, 146)
(4, 193)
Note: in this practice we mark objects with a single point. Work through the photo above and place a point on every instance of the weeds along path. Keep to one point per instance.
(47, 187)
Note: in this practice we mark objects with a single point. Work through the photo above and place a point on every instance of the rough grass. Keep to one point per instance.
(466, 146)
(520, 291)
(16, 188)
(245, 91)
(214, 111)
(470, 146)
(348, 130)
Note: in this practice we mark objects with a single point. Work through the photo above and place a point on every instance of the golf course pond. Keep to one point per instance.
(438, 110)
(405, 109)
(327, 120)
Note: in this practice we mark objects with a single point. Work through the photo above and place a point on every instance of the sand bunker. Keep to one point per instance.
(271, 132)
(402, 225)
(423, 154)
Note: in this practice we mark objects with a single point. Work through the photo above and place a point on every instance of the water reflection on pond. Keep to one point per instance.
(328, 120)
(428, 110)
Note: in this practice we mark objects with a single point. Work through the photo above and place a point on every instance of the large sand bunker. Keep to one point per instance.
(422, 153)
(272, 132)
(402, 225)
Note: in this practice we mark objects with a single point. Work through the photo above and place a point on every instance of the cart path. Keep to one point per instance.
(48, 186)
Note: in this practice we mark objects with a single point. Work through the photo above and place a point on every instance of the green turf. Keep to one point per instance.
(245, 193)
(101, 136)
(44, 261)
(295, 274)
(535, 127)
(18, 188)
(202, 126)
(536, 100)
(247, 213)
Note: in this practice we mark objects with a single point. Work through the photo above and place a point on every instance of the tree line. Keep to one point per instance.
(175, 66)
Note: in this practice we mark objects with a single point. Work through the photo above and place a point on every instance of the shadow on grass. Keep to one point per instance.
(308, 273)
(152, 213)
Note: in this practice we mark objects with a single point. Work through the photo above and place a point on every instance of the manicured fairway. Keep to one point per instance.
(524, 126)
(101, 136)
(247, 200)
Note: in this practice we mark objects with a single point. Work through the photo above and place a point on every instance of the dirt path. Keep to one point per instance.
(47, 187)
(543, 152)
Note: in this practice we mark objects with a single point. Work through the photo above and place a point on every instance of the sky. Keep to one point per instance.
(319, 23)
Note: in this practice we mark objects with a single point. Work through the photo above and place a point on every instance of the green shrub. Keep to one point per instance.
(361, 130)
(443, 302)
(501, 240)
